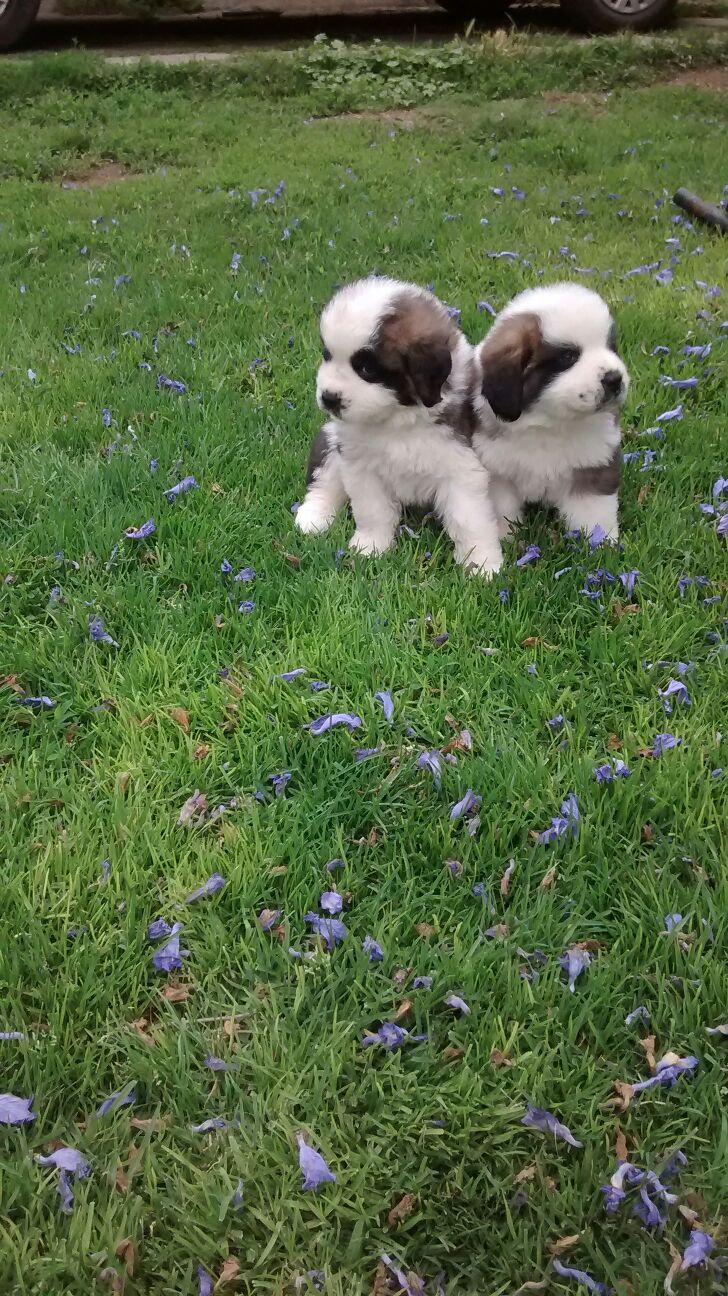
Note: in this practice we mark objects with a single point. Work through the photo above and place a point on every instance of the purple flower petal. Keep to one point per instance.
(566, 821)
(326, 722)
(120, 1098)
(245, 575)
(638, 1014)
(668, 1071)
(171, 385)
(467, 806)
(629, 580)
(268, 918)
(365, 754)
(556, 723)
(678, 690)
(670, 416)
(580, 1276)
(98, 633)
(204, 1282)
(540, 1119)
(574, 962)
(672, 921)
(213, 1123)
(603, 773)
(280, 782)
(331, 902)
(389, 1036)
(458, 1005)
(422, 983)
(40, 703)
(141, 533)
(168, 958)
(66, 1158)
(288, 676)
(313, 1167)
(219, 1064)
(597, 536)
(332, 930)
(698, 1249)
(186, 484)
(385, 697)
(15, 1111)
(208, 888)
(531, 554)
(430, 760)
(158, 929)
(372, 949)
(664, 742)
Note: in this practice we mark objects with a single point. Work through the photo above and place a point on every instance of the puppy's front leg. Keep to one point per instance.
(325, 493)
(463, 502)
(376, 511)
(586, 512)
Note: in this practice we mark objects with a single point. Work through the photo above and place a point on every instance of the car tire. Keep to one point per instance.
(465, 9)
(16, 18)
(610, 16)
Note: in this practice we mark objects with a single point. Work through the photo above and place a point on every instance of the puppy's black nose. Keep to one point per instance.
(612, 382)
(331, 401)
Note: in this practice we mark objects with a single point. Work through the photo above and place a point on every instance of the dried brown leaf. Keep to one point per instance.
(122, 780)
(126, 1251)
(401, 976)
(648, 1044)
(181, 717)
(404, 1010)
(499, 1059)
(526, 1175)
(382, 1285)
(176, 993)
(121, 1180)
(140, 1028)
(548, 879)
(532, 1287)
(620, 1144)
(293, 560)
(452, 1054)
(229, 1272)
(563, 1244)
(624, 1095)
(690, 1216)
(201, 751)
(643, 493)
(499, 931)
(149, 1124)
(401, 1210)
(425, 930)
(647, 833)
(673, 1271)
(614, 743)
(533, 641)
(113, 1280)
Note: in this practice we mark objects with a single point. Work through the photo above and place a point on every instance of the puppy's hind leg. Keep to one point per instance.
(463, 502)
(325, 493)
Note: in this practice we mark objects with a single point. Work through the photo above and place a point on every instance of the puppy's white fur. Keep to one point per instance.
(563, 448)
(381, 453)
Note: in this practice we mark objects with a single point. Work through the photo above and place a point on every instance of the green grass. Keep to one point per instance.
(104, 774)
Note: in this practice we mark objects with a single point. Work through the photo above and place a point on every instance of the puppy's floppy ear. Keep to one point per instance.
(428, 363)
(505, 356)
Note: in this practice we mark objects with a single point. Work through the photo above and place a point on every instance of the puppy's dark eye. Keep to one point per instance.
(565, 358)
(364, 363)
(326, 353)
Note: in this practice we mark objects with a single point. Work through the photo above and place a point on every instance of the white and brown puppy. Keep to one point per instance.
(399, 381)
(552, 383)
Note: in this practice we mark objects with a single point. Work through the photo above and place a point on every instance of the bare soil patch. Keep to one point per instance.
(97, 177)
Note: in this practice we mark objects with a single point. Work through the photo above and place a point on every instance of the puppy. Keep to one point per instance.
(398, 379)
(552, 384)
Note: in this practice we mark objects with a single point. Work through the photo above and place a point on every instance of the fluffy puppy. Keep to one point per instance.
(398, 379)
(552, 385)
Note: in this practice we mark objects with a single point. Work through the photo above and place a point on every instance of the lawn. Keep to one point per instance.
(165, 267)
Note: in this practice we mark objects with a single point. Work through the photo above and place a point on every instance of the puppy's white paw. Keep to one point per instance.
(370, 543)
(312, 519)
(480, 560)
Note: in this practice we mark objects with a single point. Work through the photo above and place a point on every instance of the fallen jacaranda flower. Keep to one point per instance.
(171, 384)
(409, 1284)
(574, 962)
(672, 921)
(208, 888)
(580, 1276)
(638, 1014)
(41, 703)
(313, 1167)
(158, 928)
(15, 1111)
(288, 676)
(98, 634)
(268, 918)
(531, 554)
(664, 742)
(141, 533)
(218, 1064)
(629, 580)
(385, 697)
(466, 806)
(326, 722)
(280, 782)
(332, 930)
(678, 690)
(120, 1098)
(430, 760)
(213, 1123)
(247, 606)
(667, 1071)
(71, 1165)
(204, 1282)
(245, 575)
(372, 949)
(168, 958)
(556, 723)
(422, 983)
(331, 902)
(540, 1119)
(458, 1005)
(698, 1249)
(186, 484)
(670, 416)
(566, 821)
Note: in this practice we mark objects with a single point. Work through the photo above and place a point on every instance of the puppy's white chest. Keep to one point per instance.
(539, 459)
(409, 464)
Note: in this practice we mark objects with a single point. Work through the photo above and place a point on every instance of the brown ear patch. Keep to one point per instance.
(505, 355)
(414, 344)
